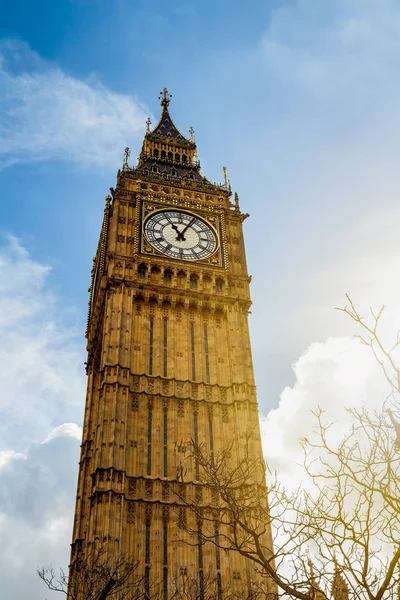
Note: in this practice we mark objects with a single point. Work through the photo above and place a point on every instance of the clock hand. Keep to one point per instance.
(180, 234)
(173, 226)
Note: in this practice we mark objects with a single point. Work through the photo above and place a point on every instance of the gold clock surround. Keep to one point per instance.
(214, 222)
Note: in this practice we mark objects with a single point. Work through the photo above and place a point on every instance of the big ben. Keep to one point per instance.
(169, 360)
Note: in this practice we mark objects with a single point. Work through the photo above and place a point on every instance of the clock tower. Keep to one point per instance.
(169, 361)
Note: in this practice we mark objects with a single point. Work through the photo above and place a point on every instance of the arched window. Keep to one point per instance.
(162, 154)
(181, 277)
(154, 169)
(219, 285)
(173, 172)
(142, 271)
(155, 153)
(177, 157)
(207, 282)
(155, 272)
(169, 155)
(184, 158)
(167, 276)
(193, 281)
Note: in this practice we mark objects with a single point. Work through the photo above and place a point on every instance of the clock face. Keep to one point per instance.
(180, 235)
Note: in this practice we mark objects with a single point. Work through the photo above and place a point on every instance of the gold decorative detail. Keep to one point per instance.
(165, 98)
(127, 154)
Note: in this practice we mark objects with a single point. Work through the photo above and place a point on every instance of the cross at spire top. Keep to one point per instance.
(165, 98)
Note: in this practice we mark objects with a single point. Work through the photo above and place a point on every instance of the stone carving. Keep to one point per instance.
(131, 512)
(165, 491)
(132, 487)
(149, 489)
(181, 408)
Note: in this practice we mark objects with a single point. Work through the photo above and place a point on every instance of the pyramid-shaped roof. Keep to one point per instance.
(166, 127)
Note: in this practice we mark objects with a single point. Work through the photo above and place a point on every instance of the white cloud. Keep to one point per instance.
(42, 385)
(37, 497)
(66, 429)
(334, 375)
(42, 379)
(46, 114)
(6, 456)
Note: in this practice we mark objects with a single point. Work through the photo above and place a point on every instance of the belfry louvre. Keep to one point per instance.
(169, 361)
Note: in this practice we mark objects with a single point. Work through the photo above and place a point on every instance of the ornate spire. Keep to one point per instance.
(167, 154)
(166, 127)
(314, 590)
(340, 590)
(165, 98)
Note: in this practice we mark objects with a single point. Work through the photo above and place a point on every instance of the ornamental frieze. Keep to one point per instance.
(120, 380)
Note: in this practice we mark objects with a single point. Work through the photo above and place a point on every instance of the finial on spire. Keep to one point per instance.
(127, 154)
(227, 183)
(165, 98)
(148, 123)
(192, 136)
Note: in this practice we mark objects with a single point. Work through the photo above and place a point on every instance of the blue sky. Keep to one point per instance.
(300, 99)
(295, 97)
